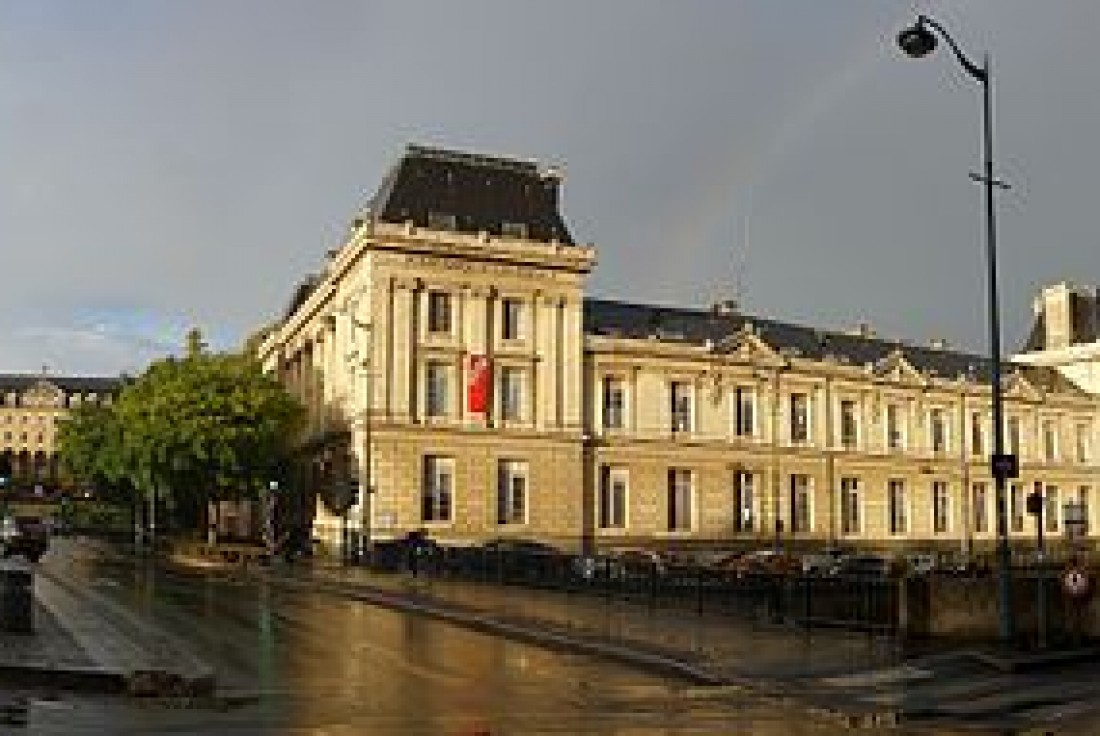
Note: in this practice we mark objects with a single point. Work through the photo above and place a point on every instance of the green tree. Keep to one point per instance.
(210, 426)
(89, 443)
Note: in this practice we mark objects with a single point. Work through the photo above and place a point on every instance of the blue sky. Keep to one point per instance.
(169, 163)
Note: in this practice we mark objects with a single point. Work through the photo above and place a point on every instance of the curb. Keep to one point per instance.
(90, 679)
(532, 632)
(120, 644)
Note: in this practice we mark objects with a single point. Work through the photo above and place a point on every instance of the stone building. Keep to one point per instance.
(454, 368)
(31, 406)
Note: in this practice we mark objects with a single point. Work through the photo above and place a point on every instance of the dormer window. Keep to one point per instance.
(442, 221)
(516, 230)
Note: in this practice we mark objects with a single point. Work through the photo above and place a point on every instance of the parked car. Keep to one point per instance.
(598, 567)
(27, 536)
(763, 562)
(407, 552)
(642, 559)
(826, 562)
(921, 563)
(520, 546)
(866, 565)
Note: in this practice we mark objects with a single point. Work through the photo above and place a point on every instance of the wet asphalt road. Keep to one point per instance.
(300, 662)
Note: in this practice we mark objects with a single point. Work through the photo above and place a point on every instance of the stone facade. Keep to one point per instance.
(31, 407)
(609, 424)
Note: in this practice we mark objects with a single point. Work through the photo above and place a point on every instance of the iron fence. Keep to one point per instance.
(860, 602)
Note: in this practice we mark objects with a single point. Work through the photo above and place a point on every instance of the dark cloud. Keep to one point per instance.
(192, 160)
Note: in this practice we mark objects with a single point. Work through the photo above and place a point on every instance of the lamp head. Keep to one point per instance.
(917, 40)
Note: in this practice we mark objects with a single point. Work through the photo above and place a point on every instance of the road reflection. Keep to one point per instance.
(303, 662)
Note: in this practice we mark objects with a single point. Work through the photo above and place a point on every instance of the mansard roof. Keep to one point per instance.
(69, 384)
(620, 319)
(481, 194)
(301, 294)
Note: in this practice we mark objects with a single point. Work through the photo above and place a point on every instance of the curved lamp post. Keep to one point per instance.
(360, 359)
(918, 41)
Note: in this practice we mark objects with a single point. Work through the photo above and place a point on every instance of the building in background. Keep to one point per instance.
(459, 382)
(31, 406)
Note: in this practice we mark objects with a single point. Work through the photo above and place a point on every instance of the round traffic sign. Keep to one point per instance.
(1076, 582)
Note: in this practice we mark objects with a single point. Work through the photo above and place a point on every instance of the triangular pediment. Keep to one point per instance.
(43, 393)
(1016, 386)
(745, 346)
(896, 368)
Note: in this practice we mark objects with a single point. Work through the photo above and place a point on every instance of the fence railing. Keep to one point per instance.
(861, 602)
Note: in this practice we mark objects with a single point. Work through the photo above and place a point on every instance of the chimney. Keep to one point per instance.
(1055, 304)
(862, 329)
(724, 308)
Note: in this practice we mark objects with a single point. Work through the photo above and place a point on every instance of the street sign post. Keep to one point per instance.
(1004, 465)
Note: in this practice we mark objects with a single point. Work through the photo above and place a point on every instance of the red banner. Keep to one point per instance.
(478, 377)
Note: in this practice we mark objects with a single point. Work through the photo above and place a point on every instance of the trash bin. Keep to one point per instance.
(16, 599)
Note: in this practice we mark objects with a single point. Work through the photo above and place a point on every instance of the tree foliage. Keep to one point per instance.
(204, 427)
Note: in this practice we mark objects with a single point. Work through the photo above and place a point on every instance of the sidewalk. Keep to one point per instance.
(84, 641)
(711, 646)
(855, 679)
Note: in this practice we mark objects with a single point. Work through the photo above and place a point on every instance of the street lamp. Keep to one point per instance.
(269, 515)
(918, 41)
(362, 359)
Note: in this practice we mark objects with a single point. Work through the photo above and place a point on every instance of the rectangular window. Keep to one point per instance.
(511, 393)
(893, 427)
(511, 316)
(850, 516)
(511, 492)
(1051, 508)
(1050, 441)
(801, 504)
(1012, 437)
(743, 502)
(614, 401)
(1083, 499)
(800, 418)
(980, 505)
(612, 501)
(977, 435)
(744, 414)
(680, 406)
(1017, 507)
(437, 488)
(1082, 441)
(514, 230)
(441, 221)
(679, 500)
(436, 394)
(899, 507)
(941, 507)
(937, 430)
(439, 311)
(849, 426)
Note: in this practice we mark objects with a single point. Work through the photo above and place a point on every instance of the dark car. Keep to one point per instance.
(866, 565)
(27, 536)
(413, 551)
(519, 546)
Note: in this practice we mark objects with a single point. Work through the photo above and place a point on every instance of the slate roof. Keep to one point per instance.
(71, 384)
(481, 193)
(621, 319)
(301, 294)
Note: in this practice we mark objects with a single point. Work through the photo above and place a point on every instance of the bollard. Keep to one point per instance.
(16, 599)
